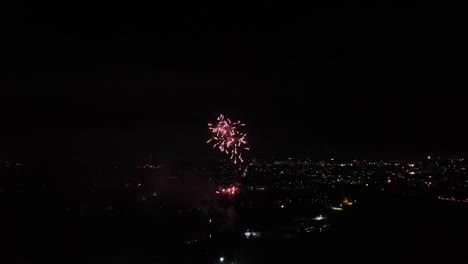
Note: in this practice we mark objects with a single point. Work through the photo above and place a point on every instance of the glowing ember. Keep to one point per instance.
(227, 137)
(230, 190)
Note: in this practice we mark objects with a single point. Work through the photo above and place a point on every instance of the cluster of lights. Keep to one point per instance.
(230, 190)
(252, 234)
(319, 218)
(452, 199)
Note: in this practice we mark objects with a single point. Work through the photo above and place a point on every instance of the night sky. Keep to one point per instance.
(115, 82)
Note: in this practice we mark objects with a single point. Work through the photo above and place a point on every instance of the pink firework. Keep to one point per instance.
(227, 137)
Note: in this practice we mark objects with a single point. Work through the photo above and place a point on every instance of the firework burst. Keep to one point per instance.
(227, 137)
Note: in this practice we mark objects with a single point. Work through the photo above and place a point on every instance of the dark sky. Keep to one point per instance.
(111, 81)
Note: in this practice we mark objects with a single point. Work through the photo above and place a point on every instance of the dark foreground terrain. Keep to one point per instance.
(380, 228)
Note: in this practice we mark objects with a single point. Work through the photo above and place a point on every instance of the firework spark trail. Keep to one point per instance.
(228, 138)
